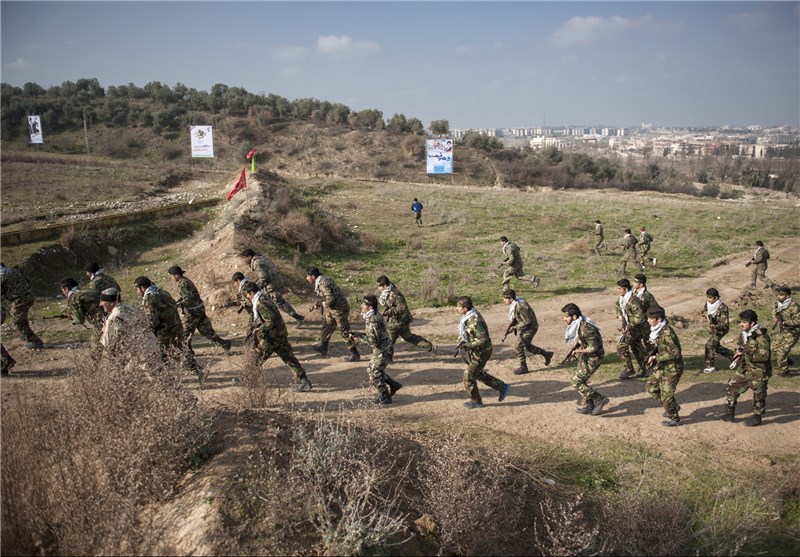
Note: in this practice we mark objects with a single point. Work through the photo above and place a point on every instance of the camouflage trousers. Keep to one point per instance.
(587, 365)
(19, 315)
(267, 346)
(632, 342)
(782, 345)
(404, 331)
(598, 243)
(642, 253)
(172, 345)
(476, 362)
(627, 255)
(525, 342)
(714, 346)
(201, 324)
(7, 360)
(760, 272)
(749, 377)
(332, 319)
(662, 385)
(514, 272)
(282, 304)
(376, 370)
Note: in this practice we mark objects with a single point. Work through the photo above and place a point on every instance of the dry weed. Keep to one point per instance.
(564, 530)
(578, 246)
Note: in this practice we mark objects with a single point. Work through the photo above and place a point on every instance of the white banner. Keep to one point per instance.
(439, 154)
(35, 129)
(202, 142)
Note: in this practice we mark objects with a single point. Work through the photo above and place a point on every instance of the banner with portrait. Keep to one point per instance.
(35, 129)
(439, 156)
(202, 142)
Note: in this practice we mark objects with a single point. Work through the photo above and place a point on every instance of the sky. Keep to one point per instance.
(474, 64)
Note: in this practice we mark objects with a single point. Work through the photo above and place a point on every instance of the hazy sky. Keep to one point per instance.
(475, 64)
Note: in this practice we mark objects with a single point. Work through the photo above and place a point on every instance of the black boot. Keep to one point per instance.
(547, 357)
(522, 369)
(394, 386)
(728, 413)
(322, 348)
(305, 384)
(354, 355)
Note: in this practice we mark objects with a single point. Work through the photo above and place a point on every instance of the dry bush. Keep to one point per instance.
(260, 388)
(642, 523)
(578, 246)
(296, 228)
(81, 466)
(563, 529)
(371, 241)
(353, 265)
(429, 283)
(733, 520)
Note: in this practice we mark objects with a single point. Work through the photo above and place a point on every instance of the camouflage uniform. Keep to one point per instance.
(398, 318)
(476, 353)
(378, 338)
(270, 279)
(85, 306)
(589, 337)
(598, 237)
(788, 334)
(754, 373)
(523, 319)
(7, 361)
(759, 263)
(643, 247)
(17, 293)
(162, 315)
(272, 334)
(648, 300)
(718, 327)
(669, 368)
(632, 339)
(194, 316)
(513, 264)
(100, 280)
(335, 307)
(628, 251)
(128, 341)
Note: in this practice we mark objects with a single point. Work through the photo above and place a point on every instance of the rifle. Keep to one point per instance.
(778, 322)
(512, 328)
(748, 263)
(738, 356)
(711, 326)
(58, 316)
(458, 349)
(571, 354)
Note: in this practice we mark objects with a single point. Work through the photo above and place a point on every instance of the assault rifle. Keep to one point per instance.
(778, 323)
(571, 354)
(512, 328)
(459, 347)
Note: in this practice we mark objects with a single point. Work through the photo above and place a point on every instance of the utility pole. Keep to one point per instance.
(85, 132)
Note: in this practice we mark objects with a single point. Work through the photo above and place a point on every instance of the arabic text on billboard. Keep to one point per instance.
(202, 141)
(439, 153)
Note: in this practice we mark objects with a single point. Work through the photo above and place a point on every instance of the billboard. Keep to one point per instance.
(439, 156)
(35, 129)
(202, 142)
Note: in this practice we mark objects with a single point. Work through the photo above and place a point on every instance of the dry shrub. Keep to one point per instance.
(642, 523)
(260, 387)
(581, 225)
(80, 467)
(429, 283)
(297, 229)
(563, 529)
(578, 246)
(371, 241)
(353, 265)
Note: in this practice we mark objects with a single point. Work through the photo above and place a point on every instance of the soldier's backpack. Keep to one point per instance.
(648, 239)
(766, 254)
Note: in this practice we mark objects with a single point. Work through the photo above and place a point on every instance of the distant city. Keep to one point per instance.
(749, 142)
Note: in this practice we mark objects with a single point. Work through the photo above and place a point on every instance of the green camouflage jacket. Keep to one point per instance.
(760, 257)
(161, 311)
(271, 323)
(395, 309)
(269, 277)
(101, 280)
(668, 348)
(790, 315)
(85, 305)
(589, 336)
(190, 299)
(14, 285)
(719, 320)
(476, 333)
(329, 294)
(511, 251)
(375, 334)
(634, 311)
(629, 244)
(648, 300)
(760, 348)
(524, 316)
(645, 239)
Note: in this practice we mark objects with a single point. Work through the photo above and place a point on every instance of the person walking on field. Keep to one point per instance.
(377, 337)
(17, 292)
(193, 312)
(584, 334)
(513, 264)
(753, 358)
(416, 206)
(476, 345)
(336, 312)
(523, 323)
(272, 334)
(665, 354)
(628, 245)
(398, 316)
(270, 279)
(598, 237)
(634, 329)
(760, 261)
(643, 247)
(716, 314)
(786, 318)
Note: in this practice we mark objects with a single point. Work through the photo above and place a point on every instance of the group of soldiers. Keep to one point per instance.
(633, 248)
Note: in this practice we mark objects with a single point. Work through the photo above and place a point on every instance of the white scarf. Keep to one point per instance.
(623, 301)
(654, 331)
(784, 304)
(255, 305)
(242, 284)
(72, 293)
(98, 273)
(747, 334)
(755, 253)
(712, 309)
(316, 285)
(366, 315)
(513, 308)
(572, 328)
(643, 289)
(385, 294)
(462, 325)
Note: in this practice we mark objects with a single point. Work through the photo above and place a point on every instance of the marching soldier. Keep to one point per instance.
(716, 315)
(760, 260)
(588, 345)
(17, 292)
(786, 318)
(633, 332)
(193, 312)
(645, 239)
(665, 354)
(513, 264)
(270, 279)
(336, 312)
(598, 237)
(398, 316)
(378, 338)
(523, 323)
(640, 291)
(628, 250)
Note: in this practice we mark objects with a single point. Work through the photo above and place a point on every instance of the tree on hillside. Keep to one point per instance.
(440, 127)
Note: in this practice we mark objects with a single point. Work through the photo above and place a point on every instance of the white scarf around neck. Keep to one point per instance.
(255, 304)
(784, 304)
(462, 325)
(747, 334)
(712, 309)
(513, 307)
(572, 329)
(654, 331)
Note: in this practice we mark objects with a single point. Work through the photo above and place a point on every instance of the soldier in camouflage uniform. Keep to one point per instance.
(272, 335)
(513, 264)
(85, 306)
(760, 260)
(716, 314)
(244, 303)
(665, 354)
(753, 357)
(270, 279)
(193, 312)
(587, 342)
(17, 292)
(643, 247)
(633, 332)
(336, 312)
(640, 291)
(127, 339)
(377, 336)
(598, 236)
(7, 361)
(162, 314)
(475, 345)
(523, 323)
(98, 278)
(398, 316)
(628, 246)
(786, 317)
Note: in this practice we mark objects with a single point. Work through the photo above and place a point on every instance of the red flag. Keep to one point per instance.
(240, 185)
(250, 154)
